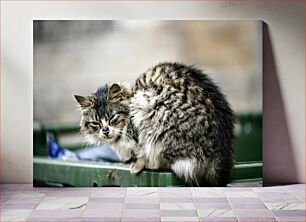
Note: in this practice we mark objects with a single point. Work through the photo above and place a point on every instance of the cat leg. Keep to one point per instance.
(138, 165)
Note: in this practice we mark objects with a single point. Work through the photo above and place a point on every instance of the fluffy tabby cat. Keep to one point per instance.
(174, 117)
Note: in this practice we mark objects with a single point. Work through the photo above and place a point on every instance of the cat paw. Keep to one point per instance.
(135, 167)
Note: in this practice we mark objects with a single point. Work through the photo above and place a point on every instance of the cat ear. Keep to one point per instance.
(84, 101)
(118, 92)
(114, 91)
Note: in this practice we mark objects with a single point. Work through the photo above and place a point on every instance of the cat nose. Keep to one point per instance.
(105, 129)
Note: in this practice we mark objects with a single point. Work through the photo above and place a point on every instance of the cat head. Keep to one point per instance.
(105, 113)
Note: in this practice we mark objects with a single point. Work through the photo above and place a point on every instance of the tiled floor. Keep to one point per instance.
(22, 202)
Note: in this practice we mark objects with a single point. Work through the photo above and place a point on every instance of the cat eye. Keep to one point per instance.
(118, 117)
(93, 125)
(114, 119)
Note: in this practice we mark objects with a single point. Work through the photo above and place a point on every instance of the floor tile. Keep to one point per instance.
(142, 200)
(236, 205)
(141, 206)
(253, 213)
(109, 189)
(110, 206)
(14, 214)
(142, 213)
(289, 213)
(175, 189)
(3, 200)
(10, 186)
(55, 219)
(274, 193)
(142, 192)
(62, 203)
(101, 219)
(68, 193)
(23, 202)
(19, 206)
(207, 192)
(291, 219)
(28, 194)
(106, 200)
(224, 205)
(175, 200)
(218, 219)
(175, 193)
(178, 219)
(7, 194)
(210, 200)
(177, 206)
(255, 219)
(281, 200)
(237, 189)
(275, 189)
(178, 213)
(271, 193)
(30, 200)
(144, 219)
(285, 206)
(103, 213)
(272, 197)
(299, 194)
(240, 194)
(246, 200)
(216, 213)
(109, 193)
(57, 213)
(296, 187)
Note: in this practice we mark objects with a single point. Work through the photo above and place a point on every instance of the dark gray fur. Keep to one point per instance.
(190, 118)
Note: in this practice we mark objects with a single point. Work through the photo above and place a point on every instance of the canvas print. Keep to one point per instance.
(147, 103)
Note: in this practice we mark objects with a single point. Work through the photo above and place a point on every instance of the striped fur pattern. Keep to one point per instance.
(183, 122)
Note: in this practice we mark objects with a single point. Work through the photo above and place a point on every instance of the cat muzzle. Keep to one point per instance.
(105, 130)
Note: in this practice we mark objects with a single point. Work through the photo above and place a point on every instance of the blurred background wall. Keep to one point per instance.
(76, 57)
(286, 24)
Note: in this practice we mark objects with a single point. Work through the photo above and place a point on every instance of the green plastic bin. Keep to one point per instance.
(247, 170)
